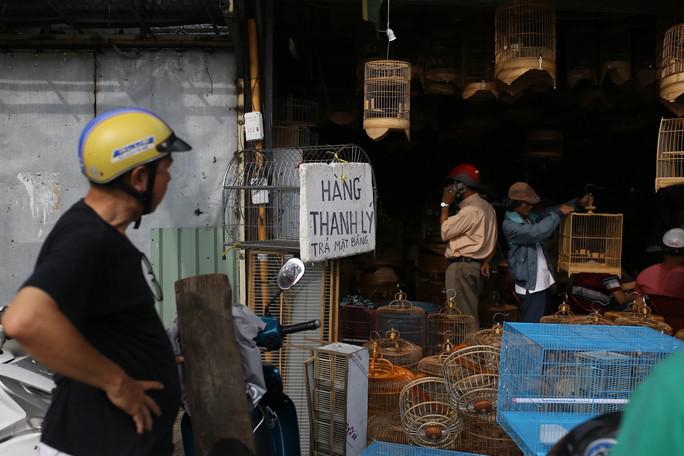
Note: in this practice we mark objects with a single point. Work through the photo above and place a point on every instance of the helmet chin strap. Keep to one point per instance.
(144, 198)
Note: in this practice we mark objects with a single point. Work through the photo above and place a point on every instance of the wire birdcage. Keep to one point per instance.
(616, 53)
(562, 316)
(386, 97)
(451, 321)
(295, 111)
(553, 377)
(433, 366)
(314, 297)
(396, 350)
(393, 449)
(672, 68)
(591, 242)
(670, 153)
(387, 428)
(476, 395)
(593, 318)
(485, 437)
(473, 360)
(261, 192)
(525, 39)
(478, 61)
(491, 336)
(385, 382)
(427, 414)
(407, 319)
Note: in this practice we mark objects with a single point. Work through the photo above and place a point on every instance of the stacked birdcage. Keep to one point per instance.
(396, 350)
(593, 318)
(450, 320)
(491, 336)
(387, 428)
(591, 242)
(525, 40)
(433, 365)
(428, 416)
(403, 316)
(485, 437)
(562, 316)
(553, 377)
(387, 97)
(644, 317)
(293, 123)
(670, 153)
(385, 382)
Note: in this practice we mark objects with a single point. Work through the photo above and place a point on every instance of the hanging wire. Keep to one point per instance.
(387, 31)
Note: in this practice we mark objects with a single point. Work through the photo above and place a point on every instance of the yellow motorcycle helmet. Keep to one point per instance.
(117, 141)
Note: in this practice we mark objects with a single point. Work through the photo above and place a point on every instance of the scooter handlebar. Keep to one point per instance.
(299, 327)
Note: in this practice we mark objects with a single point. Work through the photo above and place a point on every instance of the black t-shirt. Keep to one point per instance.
(95, 275)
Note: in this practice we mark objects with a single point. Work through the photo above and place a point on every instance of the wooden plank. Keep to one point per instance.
(214, 382)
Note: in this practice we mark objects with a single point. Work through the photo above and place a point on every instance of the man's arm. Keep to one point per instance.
(35, 321)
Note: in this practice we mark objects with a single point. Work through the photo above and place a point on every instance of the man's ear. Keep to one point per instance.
(138, 178)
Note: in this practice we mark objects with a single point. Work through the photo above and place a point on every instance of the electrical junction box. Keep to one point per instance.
(254, 126)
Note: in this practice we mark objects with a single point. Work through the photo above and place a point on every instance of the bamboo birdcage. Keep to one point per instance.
(386, 428)
(385, 382)
(475, 396)
(427, 414)
(402, 315)
(672, 69)
(563, 315)
(450, 320)
(396, 350)
(635, 309)
(387, 98)
(670, 153)
(594, 318)
(484, 437)
(478, 62)
(433, 365)
(441, 74)
(591, 242)
(473, 360)
(643, 317)
(491, 336)
(525, 40)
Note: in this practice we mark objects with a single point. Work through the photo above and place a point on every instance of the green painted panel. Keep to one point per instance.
(177, 253)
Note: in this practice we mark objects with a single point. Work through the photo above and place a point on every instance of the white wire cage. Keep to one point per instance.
(672, 68)
(525, 39)
(670, 154)
(386, 97)
(261, 193)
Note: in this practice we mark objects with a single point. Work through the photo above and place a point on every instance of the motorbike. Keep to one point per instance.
(595, 437)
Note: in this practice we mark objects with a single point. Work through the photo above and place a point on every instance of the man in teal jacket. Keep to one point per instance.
(525, 231)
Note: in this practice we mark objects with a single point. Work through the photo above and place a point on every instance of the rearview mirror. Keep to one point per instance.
(291, 272)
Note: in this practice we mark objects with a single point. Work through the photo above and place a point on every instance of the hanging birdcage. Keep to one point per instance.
(441, 74)
(478, 62)
(450, 320)
(525, 41)
(403, 316)
(427, 414)
(387, 428)
(672, 69)
(591, 242)
(491, 337)
(484, 437)
(615, 53)
(385, 382)
(670, 153)
(387, 97)
(396, 350)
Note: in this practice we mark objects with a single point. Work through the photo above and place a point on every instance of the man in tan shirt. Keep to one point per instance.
(470, 237)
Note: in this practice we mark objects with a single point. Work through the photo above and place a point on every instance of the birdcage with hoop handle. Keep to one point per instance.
(387, 428)
(563, 315)
(644, 317)
(476, 395)
(670, 152)
(491, 336)
(480, 360)
(593, 318)
(386, 97)
(402, 315)
(591, 242)
(449, 320)
(385, 382)
(525, 39)
(261, 193)
(634, 309)
(427, 414)
(394, 349)
(433, 366)
(553, 377)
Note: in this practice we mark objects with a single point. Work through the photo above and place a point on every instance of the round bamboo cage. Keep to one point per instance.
(484, 437)
(473, 360)
(635, 309)
(385, 382)
(440, 76)
(433, 366)
(387, 98)
(645, 318)
(386, 428)
(476, 395)
(525, 41)
(562, 316)
(396, 350)
(491, 337)
(594, 318)
(427, 414)
(670, 153)
(451, 322)
(672, 68)
(401, 315)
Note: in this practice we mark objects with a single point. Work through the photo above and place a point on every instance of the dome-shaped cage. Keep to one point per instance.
(427, 414)
(386, 98)
(396, 350)
(475, 396)
(491, 337)
(525, 42)
(642, 316)
(433, 366)
(403, 316)
(562, 315)
(450, 322)
(385, 382)
(485, 437)
(387, 428)
(670, 153)
(261, 192)
(474, 360)
(672, 69)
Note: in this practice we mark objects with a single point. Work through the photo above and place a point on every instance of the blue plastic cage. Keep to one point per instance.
(393, 449)
(554, 377)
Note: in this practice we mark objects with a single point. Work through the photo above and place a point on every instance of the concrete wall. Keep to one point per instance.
(47, 98)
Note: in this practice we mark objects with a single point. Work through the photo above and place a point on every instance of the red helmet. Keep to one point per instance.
(466, 173)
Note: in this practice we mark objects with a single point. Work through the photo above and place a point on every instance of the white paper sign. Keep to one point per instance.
(336, 210)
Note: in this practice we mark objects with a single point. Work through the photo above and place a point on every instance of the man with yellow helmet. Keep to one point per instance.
(87, 311)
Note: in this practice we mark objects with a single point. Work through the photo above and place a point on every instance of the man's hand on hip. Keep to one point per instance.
(130, 397)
